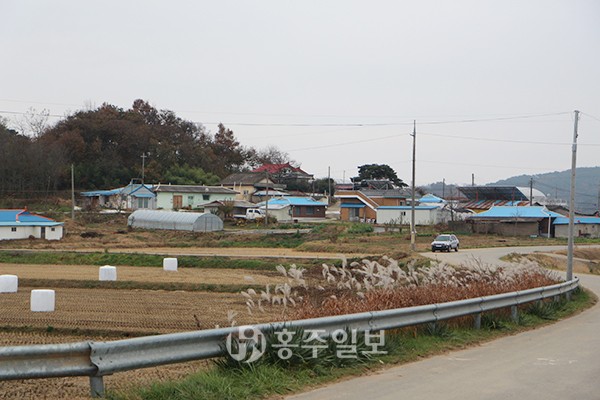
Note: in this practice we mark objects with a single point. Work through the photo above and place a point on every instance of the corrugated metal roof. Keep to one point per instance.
(134, 189)
(347, 205)
(430, 198)
(296, 201)
(193, 189)
(406, 207)
(516, 212)
(25, 218)
(577, 220)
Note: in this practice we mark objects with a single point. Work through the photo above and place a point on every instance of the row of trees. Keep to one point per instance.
(106, 145)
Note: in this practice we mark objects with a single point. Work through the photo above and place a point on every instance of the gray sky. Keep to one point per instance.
(329, 65)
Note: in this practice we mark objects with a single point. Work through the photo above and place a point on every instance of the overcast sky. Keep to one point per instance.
(303, 75)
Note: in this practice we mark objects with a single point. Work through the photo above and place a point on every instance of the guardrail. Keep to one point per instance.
(97, 359)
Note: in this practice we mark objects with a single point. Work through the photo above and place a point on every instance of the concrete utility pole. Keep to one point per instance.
(572, 202)
(530, 191)
(329, 185)
(143, 165)
(73, 192)
(267, 202)
(413, 230)
(444, 188)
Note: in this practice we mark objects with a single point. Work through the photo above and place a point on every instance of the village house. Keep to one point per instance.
(584, 227)
(362, 205)
(515, 221)
(21, 224)
(175, 197)
(131, 197)
(287, 209)
(246, 184)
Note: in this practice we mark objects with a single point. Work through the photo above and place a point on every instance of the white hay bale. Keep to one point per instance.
(170, 264)
(107, 273)
(42, 300)
(9, 283)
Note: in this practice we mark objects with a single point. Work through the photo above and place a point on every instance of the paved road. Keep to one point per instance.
(561, 361)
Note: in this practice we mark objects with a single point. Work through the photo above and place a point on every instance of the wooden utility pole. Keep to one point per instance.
(572, 201)
(413, 230)
(329, 185)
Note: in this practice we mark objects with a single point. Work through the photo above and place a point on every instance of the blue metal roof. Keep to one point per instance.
(24, 218)
(406, 207)
(517, 212)
(295, 201)
(347, 205)
(577, 220)
(131, 189)
(430, 198)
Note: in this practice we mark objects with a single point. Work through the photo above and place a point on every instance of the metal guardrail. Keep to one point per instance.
(96, 359)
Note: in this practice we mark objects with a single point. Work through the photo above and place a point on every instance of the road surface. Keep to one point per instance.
(560, 361)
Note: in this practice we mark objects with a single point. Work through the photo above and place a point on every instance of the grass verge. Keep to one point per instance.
(265, 379)
(148, 260)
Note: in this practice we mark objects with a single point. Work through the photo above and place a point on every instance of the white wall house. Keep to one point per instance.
(175, 197)
(21, 224)
(424, 215)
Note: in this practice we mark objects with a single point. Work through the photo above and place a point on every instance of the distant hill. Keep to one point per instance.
(555, 185)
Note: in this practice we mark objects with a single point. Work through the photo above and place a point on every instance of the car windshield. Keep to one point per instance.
(443, 238)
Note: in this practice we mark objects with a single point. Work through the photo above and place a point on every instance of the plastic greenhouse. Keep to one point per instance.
(173, 220)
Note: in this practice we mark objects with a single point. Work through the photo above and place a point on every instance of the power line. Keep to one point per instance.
(591, 116)
(505, 140)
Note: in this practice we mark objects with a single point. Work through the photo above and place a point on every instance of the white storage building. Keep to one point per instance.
(173, 220)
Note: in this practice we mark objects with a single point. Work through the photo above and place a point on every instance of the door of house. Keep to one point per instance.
(177, 201)
(43, 233)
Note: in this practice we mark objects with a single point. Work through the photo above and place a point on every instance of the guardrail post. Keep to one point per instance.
(568, 295)
(514, 314)
(556, 298)
(477, 321)
(97, 386)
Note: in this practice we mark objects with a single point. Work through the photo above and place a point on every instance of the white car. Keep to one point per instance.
(445, 243)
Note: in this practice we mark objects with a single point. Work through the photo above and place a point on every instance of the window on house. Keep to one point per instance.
(13, 229)
(310, 211)
(206, 197)
(53, 229)
(142, 203)
(403, 213)
(191, 200)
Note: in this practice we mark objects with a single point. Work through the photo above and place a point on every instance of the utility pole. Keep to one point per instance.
(472, 179)
(413, 230)
(73, 192)
(329, 185)
(530, 191)
(143, 165)
(444, 188)
(267, 202)
(572, 201)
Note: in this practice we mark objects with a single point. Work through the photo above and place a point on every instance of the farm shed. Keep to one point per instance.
(21, 224)
(514, 221)
(584, 227)
(424, 215)
(177, 221)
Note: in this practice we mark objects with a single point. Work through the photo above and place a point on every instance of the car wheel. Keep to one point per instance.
(456, 249)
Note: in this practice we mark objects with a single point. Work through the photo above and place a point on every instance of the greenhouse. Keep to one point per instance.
(173, 220)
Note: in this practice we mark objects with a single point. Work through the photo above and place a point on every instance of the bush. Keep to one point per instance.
(360, 228)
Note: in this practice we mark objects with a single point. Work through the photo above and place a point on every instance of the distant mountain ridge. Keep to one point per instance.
(555, 185)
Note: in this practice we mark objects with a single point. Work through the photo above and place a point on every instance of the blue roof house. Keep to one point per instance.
(131, 197)
(515, 221)
(290, 208)
(584, 227)
(21, 224)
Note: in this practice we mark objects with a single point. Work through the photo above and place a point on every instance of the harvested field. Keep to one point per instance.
(144, 274)
(134, 312)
